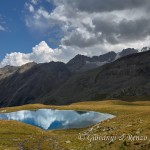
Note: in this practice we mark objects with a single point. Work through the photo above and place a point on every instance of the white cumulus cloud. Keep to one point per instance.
(41, 53)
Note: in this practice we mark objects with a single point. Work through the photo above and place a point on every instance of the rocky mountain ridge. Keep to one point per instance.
(57, 83)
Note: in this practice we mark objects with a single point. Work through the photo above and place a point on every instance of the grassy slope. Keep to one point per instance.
(131, 118)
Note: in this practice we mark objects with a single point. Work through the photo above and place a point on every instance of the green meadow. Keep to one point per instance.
(129, 130)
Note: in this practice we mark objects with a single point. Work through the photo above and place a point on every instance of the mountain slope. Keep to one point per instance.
(55, 83)
(126, 78)
(32, 82)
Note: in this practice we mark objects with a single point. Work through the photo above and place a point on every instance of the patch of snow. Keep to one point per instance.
(118, 56)
(96, 63)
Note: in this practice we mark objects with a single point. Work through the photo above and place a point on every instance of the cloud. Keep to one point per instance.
(89, 28)
(99, 22)
(81, 38)
(2, 28)
(30, 7)
(103, 5)
(123, 31)
(34, 2)
(40, 53)
(2, 23)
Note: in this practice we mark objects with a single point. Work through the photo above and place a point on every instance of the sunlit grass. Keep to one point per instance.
(131, 118)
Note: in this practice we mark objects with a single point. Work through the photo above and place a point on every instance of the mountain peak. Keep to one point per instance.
(26, 67)
(7, 71)
(128, 51)
(145, 49)
(81, 63)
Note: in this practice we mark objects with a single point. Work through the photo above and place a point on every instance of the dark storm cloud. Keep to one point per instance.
(104, 16)
(79, 40)
(106, 5)
(123, 31)
(134, 29)
(112, 32)
(107, 26)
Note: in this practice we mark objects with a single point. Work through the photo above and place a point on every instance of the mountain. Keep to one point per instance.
(127, 51)
(77, 62)
(127, 78)
(57, 83)
(145, 49)
(26, 67)
(32, 81)
(7, 71)
(81, 63)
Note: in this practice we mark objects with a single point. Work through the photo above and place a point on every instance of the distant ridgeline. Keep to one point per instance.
(124, 75)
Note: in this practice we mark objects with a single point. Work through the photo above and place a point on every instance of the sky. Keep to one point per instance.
(57, 30)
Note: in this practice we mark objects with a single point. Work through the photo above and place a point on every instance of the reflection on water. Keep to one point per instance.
(49, 119)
